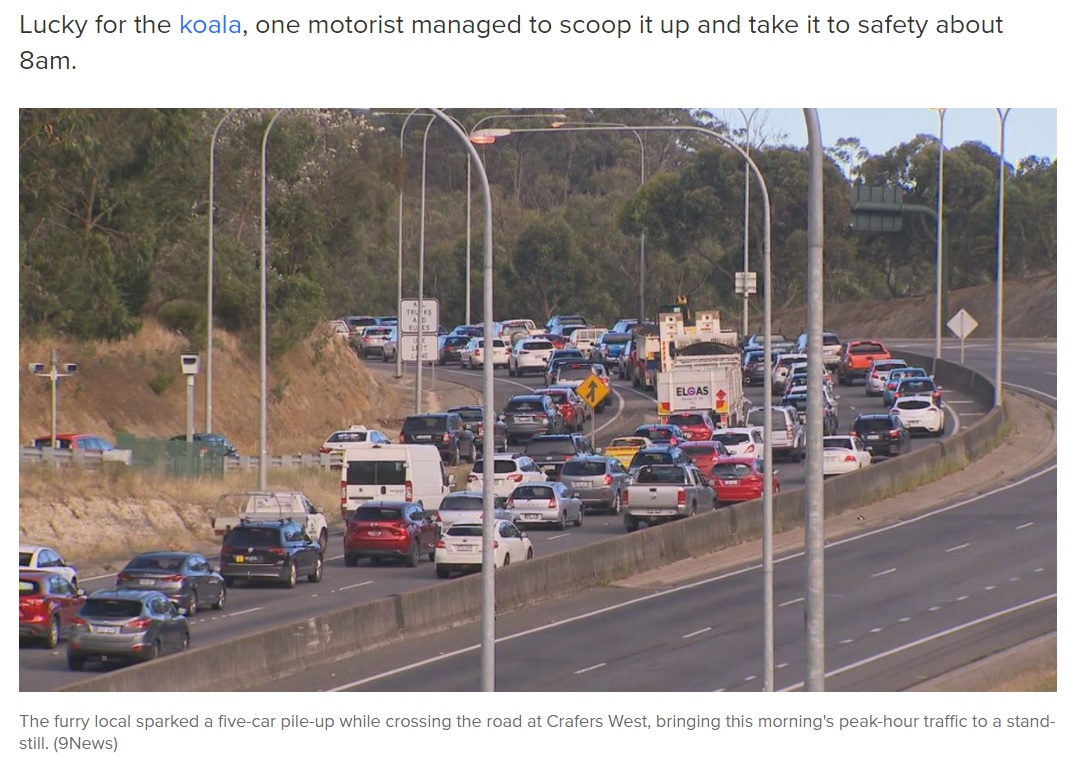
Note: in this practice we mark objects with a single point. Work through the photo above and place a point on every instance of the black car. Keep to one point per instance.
(528, 415)
(658, 455)
(882, 434)
(550, 453)
(186, 578)
(472, 416)
(449, 347)
(210, 444)
(445, 430)
(279, 550)
(755, 367)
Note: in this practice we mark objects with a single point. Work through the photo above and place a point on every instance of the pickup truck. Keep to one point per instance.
(665, 493)
(233, 509)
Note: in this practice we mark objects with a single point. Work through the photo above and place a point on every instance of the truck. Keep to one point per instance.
(235, 508)
(699, 368)
(662, 493)
(646, 348)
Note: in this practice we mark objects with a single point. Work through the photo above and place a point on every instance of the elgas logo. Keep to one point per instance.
(692, 390)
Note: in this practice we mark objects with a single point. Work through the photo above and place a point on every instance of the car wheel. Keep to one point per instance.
(631, 524)
(413, 555)
(562, 522)
(218, 605)
(443, 573)
(192, 607)
(290, 576)
(579, 518)
(75, 664)
(615, 506)
(507, 560)
(315, 576)
(455, 456)
(52, 637)
(154, 652)
(530, 553)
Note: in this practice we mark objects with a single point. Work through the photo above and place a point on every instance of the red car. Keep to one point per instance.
(704, 454)
(737, 479)
(558, 341)
(696, 423)
(384, 530)
(48, 603)
(571, 406)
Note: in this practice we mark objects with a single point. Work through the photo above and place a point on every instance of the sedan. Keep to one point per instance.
(546, 502)
(737, 479)
(390, 530)
(461, 548)
(844, 454)
(185, 578)
(48, 604)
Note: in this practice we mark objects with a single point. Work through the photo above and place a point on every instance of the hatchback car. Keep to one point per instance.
(920, 413)
(875, 380)
(445, 430)
(341, 440)
(472, 355)
(882, 434)
(510, 470)
(597, 480)
(894, 378)
(185, 578)
(558, 357)
(530, 354)
(574, 411)
(449, 348)
(126, 625)
(36, 556)
(917, 386)
(696, 424)
(48, 604)
(704, 454)
(372, 341)
(460, 549)
(738, 479)
(545, 502)
(276, 550)
(741, 442)
(390, 531)
(662, 434)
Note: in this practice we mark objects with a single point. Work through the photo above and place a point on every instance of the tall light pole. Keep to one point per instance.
(263, 373)
(747, 196)
(422, 266)
(1000, 260)
(209, 276)
(490, 135)
(938, 245)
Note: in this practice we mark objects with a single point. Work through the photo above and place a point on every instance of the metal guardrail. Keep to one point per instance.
(286, 462)
(83, 458)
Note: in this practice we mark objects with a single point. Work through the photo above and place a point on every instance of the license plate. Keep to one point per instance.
(730, 483)
(239, 559)
(525, 419)
(423, 438)
(650, 512)
(580, 484)
(373, 533)
(532, 516)
(107, 630)
(465, 548)
(874, 438)
(146, 582)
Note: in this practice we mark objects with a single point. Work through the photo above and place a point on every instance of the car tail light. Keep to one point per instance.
(681, 496)
(444, 438)
(496, 545)
(850, 458)
(789, 432)
(324, 450)
(893, 434)
(552, 503)
(31, 602)
(607, 480)
(275, 550)
(171, 578)
(437, 517)
(510, 503)
(136, 625)
(750, 449)
(407, 491)
(624, 495)
(478, 430)
(516, 477)
(402, 439)
(472, 477)
(343, 500)
(79, 624)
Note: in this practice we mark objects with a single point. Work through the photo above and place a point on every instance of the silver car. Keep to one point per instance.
(126, 625)
(597, 481)
(545, 502)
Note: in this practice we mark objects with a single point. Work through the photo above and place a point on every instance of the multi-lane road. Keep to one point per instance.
(252, 609)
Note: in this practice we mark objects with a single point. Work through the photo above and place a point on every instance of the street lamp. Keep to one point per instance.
(491, 135)
(1002, 115)
(263, 373)
(53, 373)
(209, 276)
(747, 195)
(938, 246)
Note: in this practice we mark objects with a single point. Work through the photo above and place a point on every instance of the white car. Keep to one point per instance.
(466, 507)
(510, 470)
(35, 556)
(357, 435)
(460, 548)
(546, 502)
(471, 355)
(740, 442)
(529, 355)
(920, 413)
(875, 379)
(844, 454)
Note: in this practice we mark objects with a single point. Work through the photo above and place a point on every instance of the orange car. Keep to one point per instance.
(856, 359)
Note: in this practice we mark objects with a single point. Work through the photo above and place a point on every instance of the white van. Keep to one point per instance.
(395, 472)
(585, 339)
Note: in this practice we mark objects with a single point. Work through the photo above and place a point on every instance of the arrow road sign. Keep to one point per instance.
(593, 390)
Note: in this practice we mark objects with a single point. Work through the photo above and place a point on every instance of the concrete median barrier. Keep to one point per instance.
(235, 664)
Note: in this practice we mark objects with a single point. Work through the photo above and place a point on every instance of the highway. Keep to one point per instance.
(251, 609)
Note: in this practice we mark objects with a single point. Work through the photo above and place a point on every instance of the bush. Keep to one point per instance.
(185, 317)
(160, 383)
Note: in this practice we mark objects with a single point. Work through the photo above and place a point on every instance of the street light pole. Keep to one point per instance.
(422, 266)
(263, 374)
(1000, 261)
(938, 245)
(209, 276)
(747, 196)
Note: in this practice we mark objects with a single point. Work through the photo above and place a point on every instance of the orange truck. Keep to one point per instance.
(856, 359)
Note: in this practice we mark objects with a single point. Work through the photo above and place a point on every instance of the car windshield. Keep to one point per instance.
(837, 442)
(611, 338)
(544, 446)
(531, 491)
(462, 530)
(505, 466)
(348, 437)
(247, 536)
(867, 348)
(731, 470)
(156, 562)
(584, 468)
(538, 345)
(660, 474)
(652, 458)
(731, 439)
(680, 420)
(777, 419)
(917, 386)
(461, 503)
(573, 372)
(829, 338)
(524, 405)
(469, 415)
(913, 404)
(423, 424)
(368, 472)
(695, 450)
(376, 513)
(656, 434)
(872, 424)
(111, 608)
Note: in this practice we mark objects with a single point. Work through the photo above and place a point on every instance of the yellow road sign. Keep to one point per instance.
(593, 390)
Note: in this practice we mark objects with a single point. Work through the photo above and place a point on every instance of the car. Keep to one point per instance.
(609, 348)
(624, 326)
(210, 444)
(126, 625)
(389, 530)
(658, 455)
(509, 470)
(339, 441)
(471, 355)
(472, 416)
(558, 357)
(445, 430)
(697, 424)
(754, 367)
(575, 373)
(545, 502)
(856, 359)
(559, 342)
(597, 480)
(704, 454)
(37, 556)
(530, 354)
(626, 359)
(788, 438)
(339, 326)
(460, 548)
(550, 453)
(48, 605)
(574, 410)
(186, 578)
(449, 348)
(75, 441)
(391, 346)
(831, 348)
(799, 400)
(464, 507)
(739, 479)
(661, 433)
(781, 370)
(741, 442)
(513, 331)
(875, 379)
(372, 340)
(917, 386)
(624, 448)
(920, 413)
(894, 377)
(529, 414)
(277, 550)
(585, 338)
(356, 324)
(882, 434)
(564, 319)
(844, 454)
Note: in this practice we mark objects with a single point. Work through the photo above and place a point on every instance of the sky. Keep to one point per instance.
(1028, 131)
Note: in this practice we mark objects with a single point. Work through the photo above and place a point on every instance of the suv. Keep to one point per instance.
(529, 355)
(509, 470)
(787, 433)
(129, 625)
(831, 349)
(882, 434)
(558, 357)
(210, 444)
(550, 453)
(372, 341)
(527, 415)
(278, 550)
(597, 480)
(857, 357)
(445, 430)
(472, 416)
(390, 530)
(609, 348)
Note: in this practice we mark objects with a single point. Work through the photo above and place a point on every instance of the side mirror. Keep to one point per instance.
(450, 481)
(81, 593)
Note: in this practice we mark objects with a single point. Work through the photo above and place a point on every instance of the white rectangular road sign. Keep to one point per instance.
(409, 345)
(744, 279)
(409, 316)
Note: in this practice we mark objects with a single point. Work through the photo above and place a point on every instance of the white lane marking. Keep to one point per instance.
(905, 619)
(783, 665)
(749, 678)
(240, 613)
(683, 587)
(556, 536)
(1038, 570)
(1030, 390)
(845, 642)
(790, 602)
(928, 639)
(1014, 579)
(935, 608)
(959, 547)
(588, 669)
(697, 632)
(883, 573)
(960, 598)
(989, 587)
(358, 584)
(876, 629)
(960, 401)
(1024, 526)
(1053, 374)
